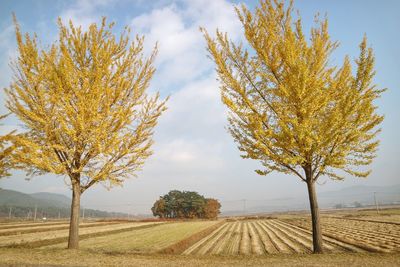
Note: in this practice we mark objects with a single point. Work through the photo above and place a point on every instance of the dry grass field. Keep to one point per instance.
(284, 240)
(48, 235)
(143, 240)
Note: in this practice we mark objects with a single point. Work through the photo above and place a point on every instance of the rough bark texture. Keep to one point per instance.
(316, 226)
(73, 239)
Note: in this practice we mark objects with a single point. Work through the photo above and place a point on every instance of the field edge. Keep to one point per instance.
(29, 257)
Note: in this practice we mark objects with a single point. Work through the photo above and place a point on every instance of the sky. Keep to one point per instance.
(193, 150)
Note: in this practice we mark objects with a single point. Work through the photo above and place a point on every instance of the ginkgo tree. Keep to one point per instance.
(289, 107)
(84, 105)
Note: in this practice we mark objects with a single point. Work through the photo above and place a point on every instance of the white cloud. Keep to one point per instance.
(214, 14)
(188, 104)
(191, 154)
(191, 142)
(182, 53)
(191, 137)
(84, 12)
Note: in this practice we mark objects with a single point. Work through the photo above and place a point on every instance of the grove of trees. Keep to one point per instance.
(185, 204)
(289, 107)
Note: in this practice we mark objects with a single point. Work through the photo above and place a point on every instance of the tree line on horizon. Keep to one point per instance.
(21, 212)
(186, 204)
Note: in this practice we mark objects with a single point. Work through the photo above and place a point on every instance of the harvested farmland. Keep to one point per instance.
(233, 237)
(145, 240)
(366, 235)
(15, 225)
(47, 227)
(36, 239)
(271, 236)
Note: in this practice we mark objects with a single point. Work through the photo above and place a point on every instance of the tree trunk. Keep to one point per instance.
(316, 226)
(73, 239)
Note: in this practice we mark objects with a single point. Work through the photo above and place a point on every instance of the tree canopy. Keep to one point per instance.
(185, 204)
(290, 108)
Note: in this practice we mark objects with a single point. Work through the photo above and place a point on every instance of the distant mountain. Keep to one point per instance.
(346, 197)
(48, 205)
(57, 200)
(15, 198)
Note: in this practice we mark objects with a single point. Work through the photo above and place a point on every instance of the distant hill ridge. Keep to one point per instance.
(42, 199)
(49, 205)
(347, 197)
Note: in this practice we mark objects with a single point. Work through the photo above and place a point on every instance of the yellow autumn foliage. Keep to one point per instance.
(6, 149)
(288, 106)
(84, 104)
